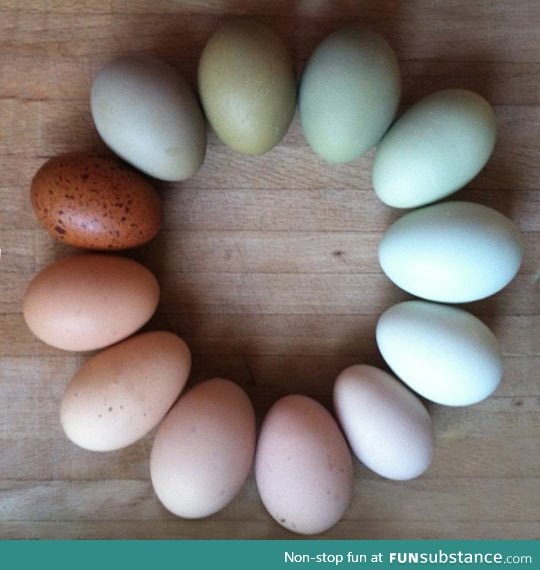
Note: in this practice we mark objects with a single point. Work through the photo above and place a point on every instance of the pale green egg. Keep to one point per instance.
(349, 94)
(434, 149)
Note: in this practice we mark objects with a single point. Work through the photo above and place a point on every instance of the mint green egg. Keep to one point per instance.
(435, 148)
(349, 94)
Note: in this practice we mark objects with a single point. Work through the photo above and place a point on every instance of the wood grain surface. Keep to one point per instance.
(268, 267)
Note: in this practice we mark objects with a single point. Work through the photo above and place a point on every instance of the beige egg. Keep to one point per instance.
(303, 466)
(123, 392)
(89, 301)
(204, 449)
(386, 425)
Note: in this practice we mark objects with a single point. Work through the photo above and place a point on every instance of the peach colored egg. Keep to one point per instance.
(303, 467)
(95, 202)
(123, 392)
(387, 426)
(89, 301)
(204, 449)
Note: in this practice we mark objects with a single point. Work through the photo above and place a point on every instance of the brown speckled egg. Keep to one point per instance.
(95, 202)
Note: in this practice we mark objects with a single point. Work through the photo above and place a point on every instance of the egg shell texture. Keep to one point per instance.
(123, 392)
(146, 113)
(387, 427)
(95, 202)
(89, 301)
(204, 449)
(247, 86)
(303, 466)
(452, 252)
(349, 93)
(443, 353)
(436, 147)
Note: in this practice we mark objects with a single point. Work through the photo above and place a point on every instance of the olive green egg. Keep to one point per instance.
(349, 93)
(436, 147)
(247, 86)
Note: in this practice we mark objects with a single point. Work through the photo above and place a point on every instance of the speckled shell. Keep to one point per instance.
(95, 202)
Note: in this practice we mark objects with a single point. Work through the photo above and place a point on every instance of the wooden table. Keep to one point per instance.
(268, 267)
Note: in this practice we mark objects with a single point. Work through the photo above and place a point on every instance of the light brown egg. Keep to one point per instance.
(204, 449)
(303, 466)
(123, 392)
(95, 202)
(89, 301)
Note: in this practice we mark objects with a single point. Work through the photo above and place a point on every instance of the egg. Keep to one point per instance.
(443, 353)
(203, 451)
(387, 427)
(303, 466)
(436, 147)
(247, 86)
(451, 252)
(123, 392)
(89, 301)
(147, 114)
(95, 202)
(349, 93)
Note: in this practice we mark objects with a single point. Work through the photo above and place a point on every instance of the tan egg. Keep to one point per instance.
(303, 466)
(95, 202)
(204, 449)
(119, 395)
(247, 86)
(89, 301)
(387, 426)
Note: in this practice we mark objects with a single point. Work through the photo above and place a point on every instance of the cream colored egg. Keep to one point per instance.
(349, 93)
(303, 466)
(387, 427)
(204, 449)
(436, 147)
(89, 301)
(123, 392)
(146, 113)
(443, 353)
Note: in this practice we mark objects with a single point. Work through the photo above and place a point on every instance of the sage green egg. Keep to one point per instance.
(349, 93)
(247, 86)
(436, 147)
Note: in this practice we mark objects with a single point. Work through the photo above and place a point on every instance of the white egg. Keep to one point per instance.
(452, 252)
(146, 113)
(434, 148)
(443, 353)
(387, 426)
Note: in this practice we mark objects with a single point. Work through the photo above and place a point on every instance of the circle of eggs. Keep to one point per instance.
(205, 444)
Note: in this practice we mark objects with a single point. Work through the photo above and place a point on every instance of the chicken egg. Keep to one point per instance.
(89, 301)
(349, 93)
(443, 353)
(147, 114)
(123, 392)
(436, 147)
(386, 425)
(303, 466)
(203, 451)
(95, 202)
